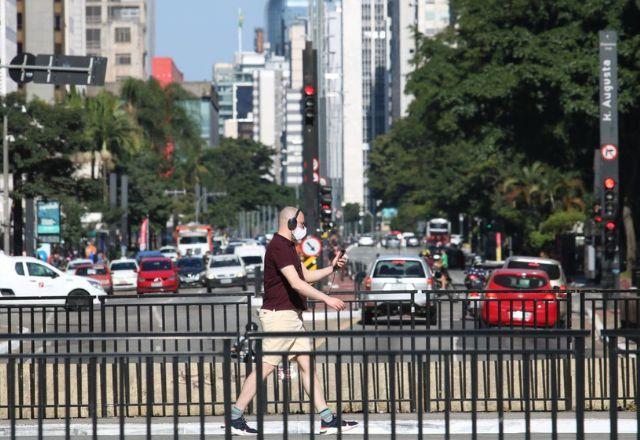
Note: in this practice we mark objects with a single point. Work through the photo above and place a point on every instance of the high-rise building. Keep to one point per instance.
(427, 17)
(203, 108)
(165, 71)
(8, 44)
(124, 32)
(292, 151)
(353, 115)
(280, 16)
(234, 86)
(269, 85)
(49, 27)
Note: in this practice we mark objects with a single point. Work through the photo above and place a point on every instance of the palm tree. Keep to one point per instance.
(111, 130)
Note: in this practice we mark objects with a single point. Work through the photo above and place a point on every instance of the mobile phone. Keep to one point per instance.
(342, 252)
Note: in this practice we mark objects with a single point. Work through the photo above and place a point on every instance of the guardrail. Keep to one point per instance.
(131, 387)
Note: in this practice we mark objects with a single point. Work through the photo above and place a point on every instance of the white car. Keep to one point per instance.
(392, 282)
(455, 239)
(124, 274)
(71, 265)
(169, 252)
(252, 257)
(553, 268)
(30, 277)
(226, 271)
(366, 240)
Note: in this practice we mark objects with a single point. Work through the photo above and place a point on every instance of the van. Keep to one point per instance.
(30, 277)
(253, 258)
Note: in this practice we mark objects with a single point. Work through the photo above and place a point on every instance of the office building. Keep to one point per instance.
(8, 44)
(124, 32)
(49, 27)
(280, 16)
(203, 108)
(234, 86)
(292, 151)
(428, 17)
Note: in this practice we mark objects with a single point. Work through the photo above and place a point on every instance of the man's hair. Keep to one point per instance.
(286, 214)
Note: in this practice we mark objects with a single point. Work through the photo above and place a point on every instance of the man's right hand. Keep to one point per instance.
(335, 303)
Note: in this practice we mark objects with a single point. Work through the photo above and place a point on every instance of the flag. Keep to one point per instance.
(143, 239)
(240, 18)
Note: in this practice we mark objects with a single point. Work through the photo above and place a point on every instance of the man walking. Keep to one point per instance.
(286, 289)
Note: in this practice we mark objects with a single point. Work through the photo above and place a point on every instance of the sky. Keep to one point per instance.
(199, 33)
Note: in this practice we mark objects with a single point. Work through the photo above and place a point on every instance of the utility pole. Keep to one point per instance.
(5, 181)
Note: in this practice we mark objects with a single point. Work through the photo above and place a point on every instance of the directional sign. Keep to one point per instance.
(311, 246)
(609, 152)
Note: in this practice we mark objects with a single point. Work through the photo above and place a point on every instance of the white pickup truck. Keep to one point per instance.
(34, 280)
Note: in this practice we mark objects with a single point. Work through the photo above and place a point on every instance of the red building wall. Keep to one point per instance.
(164, 70)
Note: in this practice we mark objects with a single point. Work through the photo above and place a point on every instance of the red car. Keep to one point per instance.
(98, 272)
(522, 298)
(157, 274)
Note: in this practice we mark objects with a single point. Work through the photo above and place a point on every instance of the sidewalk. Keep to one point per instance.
(596, 426)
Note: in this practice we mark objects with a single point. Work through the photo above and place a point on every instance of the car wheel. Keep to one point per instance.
(78, 299)
(368, 316)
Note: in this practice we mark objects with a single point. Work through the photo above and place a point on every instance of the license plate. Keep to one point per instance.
(225, 281)
(157, 284)
(520, 315)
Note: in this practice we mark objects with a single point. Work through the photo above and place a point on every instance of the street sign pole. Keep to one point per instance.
(606, 166)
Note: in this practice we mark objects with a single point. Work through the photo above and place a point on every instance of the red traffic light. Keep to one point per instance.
(611, 226)
(609, 183)
(309, 90)
(597, 219)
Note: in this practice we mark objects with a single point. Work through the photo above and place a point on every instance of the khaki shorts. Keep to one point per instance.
(282, 321)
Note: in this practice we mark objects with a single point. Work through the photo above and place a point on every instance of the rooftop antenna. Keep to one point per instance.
(240, 23)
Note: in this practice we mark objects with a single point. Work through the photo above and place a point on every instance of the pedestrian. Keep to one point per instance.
(287, 285)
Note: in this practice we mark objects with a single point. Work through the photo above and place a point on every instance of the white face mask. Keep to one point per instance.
(299, 233)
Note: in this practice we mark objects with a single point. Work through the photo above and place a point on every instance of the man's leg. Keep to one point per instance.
(304, 365)
(250, 386)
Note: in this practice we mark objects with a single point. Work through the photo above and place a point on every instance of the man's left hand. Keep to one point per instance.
(339, 263)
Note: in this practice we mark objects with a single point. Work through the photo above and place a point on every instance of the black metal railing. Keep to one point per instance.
(132, 388)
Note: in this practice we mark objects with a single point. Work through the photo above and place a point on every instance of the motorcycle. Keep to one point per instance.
(473, 282)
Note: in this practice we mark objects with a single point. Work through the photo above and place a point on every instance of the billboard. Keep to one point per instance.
(48, 218)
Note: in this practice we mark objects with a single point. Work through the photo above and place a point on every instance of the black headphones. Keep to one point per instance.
(292, 223)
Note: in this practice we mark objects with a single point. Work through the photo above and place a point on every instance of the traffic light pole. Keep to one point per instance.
(5, 182)
(606, 163)
(310, 149)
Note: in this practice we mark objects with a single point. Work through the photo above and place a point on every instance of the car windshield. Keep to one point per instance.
(553, 270)
(156, 265)
(252, 259)
(227, 262)
(519, 282)
(438, 225)
(193, 240)
(123, 266)
(191, 263)
(88, 271)
(392, 237)
(399, 269)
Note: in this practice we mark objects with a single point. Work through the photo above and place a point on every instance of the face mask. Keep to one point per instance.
(299, 233)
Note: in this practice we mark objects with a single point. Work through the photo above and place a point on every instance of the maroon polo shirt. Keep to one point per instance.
(278, 293)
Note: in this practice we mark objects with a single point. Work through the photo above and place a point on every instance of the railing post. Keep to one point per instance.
(226, 379)
(580, 392)
(613, 386)
(260, 394)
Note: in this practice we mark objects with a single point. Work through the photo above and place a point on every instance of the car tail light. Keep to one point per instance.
(429, 282)
(367, 283)
(550, 296)
(490, 295)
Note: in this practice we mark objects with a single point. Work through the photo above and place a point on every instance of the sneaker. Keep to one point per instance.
(332, 426)
(240, 427)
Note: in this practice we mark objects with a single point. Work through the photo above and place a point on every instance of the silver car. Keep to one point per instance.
(553, 268)
(402, 274)
(226, 271)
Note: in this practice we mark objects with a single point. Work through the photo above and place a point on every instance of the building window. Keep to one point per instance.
(123, 59)
(57, 22)
(123, 35)
(57, 49)
(94, 14)
(93, 38)
(19, 20)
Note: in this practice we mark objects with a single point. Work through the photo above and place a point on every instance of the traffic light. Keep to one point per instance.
(596, 213)
(326, 212)
(610, 238)
(309, 104)
(610, 198)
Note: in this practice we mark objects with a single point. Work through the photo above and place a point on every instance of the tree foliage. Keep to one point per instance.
(508, 91)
